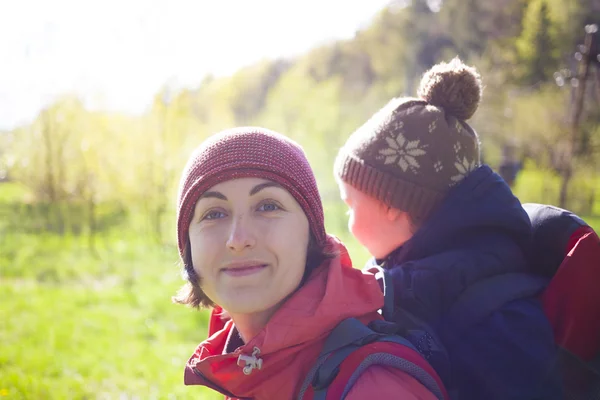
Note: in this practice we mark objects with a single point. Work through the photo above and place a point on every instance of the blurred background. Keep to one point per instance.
(101, 103)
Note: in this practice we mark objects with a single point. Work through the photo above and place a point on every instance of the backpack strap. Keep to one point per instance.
(388, 355)
(419, 334)
(349, 332)
(351, 348)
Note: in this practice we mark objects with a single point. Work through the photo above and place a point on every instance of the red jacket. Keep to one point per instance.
(292, 339)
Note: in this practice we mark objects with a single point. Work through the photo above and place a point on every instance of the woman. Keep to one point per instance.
(252, 240)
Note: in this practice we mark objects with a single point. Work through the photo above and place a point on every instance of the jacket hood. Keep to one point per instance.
(481, 203)
(480, 230)
(292, 339)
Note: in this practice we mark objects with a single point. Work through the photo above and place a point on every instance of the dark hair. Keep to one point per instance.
(192, 295)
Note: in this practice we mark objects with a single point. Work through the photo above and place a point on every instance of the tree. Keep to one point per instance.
(6, 158)
(251, 86)
(467, 36)
(536, 48)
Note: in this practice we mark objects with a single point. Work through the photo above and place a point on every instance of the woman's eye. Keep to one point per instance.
(215, 214)
(268, 207)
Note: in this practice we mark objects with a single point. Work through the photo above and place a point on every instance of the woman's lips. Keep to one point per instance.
(244, 270)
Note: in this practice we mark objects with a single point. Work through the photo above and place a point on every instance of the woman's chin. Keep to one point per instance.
(248, 303)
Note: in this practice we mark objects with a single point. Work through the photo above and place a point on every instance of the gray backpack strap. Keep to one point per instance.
(347, 337)
(348, 332)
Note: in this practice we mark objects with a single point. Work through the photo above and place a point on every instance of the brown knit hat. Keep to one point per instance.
(413, 150)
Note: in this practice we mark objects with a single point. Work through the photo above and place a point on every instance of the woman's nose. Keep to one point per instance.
(241, 235)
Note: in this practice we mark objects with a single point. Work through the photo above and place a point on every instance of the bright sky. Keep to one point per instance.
(117, 54)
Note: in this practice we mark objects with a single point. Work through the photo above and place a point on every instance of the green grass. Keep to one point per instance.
(538, 186)
(594, 222)
(79, 327)
(12, 191)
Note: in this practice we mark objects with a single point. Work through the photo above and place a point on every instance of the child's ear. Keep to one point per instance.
(393, 214)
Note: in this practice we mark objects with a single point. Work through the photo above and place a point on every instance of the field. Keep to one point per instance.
(82, 325)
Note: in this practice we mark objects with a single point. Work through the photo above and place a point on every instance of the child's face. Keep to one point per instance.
(379, 228)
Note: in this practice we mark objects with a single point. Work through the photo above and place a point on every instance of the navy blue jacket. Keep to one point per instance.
(479, 231)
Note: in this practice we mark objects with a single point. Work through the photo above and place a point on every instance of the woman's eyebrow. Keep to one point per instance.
(217, 195)
(262, 186)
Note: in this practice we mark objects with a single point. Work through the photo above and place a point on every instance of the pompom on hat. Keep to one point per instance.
(249, 152)
(413, 150)
(454, 87)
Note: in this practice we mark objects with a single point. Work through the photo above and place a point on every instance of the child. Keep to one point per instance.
(427, 210)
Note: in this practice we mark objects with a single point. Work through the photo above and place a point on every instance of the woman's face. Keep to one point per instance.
(249, 239)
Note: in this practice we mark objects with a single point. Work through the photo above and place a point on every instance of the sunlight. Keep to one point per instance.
(117, 55)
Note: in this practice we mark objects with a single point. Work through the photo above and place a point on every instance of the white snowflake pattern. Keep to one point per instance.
(463, 167)
(403, 152)
(432, 126)
(438, 166)
(457, 147)
(397, 126)
(459, 127)
(408, 111)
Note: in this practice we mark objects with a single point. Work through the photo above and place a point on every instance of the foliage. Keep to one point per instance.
(538, 54)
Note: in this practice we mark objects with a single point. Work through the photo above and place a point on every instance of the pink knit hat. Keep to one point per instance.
(249, 152)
